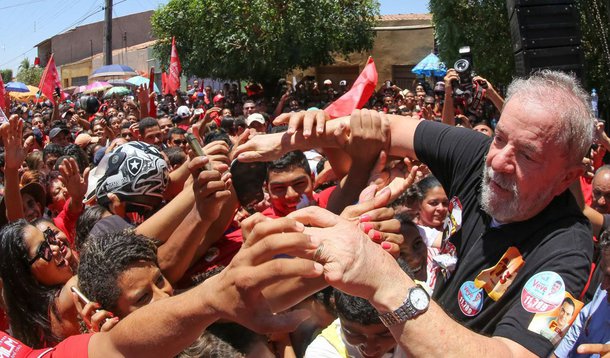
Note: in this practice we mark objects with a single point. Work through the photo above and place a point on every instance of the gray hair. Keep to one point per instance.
(562, 96)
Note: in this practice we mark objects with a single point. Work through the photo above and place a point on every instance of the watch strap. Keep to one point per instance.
(403, 313)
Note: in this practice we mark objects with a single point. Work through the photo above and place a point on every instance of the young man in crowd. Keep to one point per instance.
(150, 132)
(176, 139)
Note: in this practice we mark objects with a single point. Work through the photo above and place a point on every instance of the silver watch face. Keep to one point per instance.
(419, 299)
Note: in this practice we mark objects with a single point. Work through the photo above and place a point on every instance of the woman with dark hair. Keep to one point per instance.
(433, 208)
(37, 271)
(34, 271)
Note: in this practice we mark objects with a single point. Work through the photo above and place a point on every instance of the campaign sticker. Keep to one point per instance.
(453, 221)
(543, 292)
(470, 299)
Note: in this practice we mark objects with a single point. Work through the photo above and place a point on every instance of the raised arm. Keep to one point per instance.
(272, 146)
(12, 135)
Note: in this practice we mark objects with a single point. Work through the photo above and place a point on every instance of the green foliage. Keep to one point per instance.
(261, 40)
(482, 25)
(7, 75)
(597, 62)
(28, 74)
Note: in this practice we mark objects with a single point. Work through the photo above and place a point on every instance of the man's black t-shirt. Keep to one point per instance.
(509, 279)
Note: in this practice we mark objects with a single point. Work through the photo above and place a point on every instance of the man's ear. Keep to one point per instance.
(569, 176)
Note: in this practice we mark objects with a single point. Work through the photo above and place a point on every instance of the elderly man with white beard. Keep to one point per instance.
(521, 241)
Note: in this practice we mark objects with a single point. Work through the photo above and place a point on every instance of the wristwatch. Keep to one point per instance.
(416, 303)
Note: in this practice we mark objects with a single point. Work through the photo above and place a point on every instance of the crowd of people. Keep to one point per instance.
(221, 224)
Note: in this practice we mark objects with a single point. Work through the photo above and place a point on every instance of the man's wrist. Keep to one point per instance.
(391, 295)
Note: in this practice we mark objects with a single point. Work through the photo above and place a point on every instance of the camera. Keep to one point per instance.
(466, 91)
(463, 67)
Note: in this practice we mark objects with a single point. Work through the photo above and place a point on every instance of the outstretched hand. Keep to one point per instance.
(12, 135)
(237, 289)
(74, 182)
(347, 253)
(306, 121)
(211, 188)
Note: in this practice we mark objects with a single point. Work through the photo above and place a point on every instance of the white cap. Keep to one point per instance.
(183, 111)
(255, 117)
(328, 82)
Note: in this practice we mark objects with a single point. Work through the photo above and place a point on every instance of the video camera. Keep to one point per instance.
(466, 91)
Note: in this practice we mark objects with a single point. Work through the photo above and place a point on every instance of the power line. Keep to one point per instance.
(23, 3)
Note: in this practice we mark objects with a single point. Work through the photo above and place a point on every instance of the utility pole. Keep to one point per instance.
(108, 33)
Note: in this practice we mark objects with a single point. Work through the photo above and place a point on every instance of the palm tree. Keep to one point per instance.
(25, 64)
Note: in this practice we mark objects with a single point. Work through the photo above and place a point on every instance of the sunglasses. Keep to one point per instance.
(179, 142)
(44, 251)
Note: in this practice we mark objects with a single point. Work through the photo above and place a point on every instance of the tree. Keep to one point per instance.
(261, 40)
(28, 74)
(482, 25)
(595, 43)
(7, 75)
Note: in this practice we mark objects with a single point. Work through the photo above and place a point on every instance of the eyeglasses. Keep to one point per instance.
(44, 251)
(179, 142)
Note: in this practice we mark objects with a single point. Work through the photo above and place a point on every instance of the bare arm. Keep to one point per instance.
(165, 327)
(596, 218)
(210, 191)
(272, 146)
(13, 158)
(355, 265)
(448, 115)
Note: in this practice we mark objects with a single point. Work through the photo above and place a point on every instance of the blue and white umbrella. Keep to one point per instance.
(16, 87)
(113, 71)
(431, 65)
(141, 80)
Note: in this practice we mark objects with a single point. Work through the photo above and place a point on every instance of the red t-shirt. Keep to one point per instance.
(73, 347)
(66, 222)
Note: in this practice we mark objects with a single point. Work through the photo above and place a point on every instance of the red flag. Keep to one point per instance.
(173, 78)
(163, 82)
(2, 102)
(152, 107)
(357, 96)
(49, 82)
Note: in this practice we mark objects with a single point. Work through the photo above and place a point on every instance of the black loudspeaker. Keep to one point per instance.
(544, 26)
(565, 58)
(545, 34)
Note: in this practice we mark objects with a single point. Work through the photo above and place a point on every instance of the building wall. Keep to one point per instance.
(395, 52)
(75, 74)
(86, 41)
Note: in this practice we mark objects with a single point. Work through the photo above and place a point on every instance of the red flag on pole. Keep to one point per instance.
(2, 94)
(152, 107)
(173, 78)
(356, 97)
(163, 82)
(49, 82)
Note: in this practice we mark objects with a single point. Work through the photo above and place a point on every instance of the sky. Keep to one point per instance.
(26, 23)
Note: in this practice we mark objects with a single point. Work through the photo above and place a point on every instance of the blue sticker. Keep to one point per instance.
(543, 292)
(470, 299)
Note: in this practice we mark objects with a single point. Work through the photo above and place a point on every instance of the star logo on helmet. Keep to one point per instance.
(134, 165)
